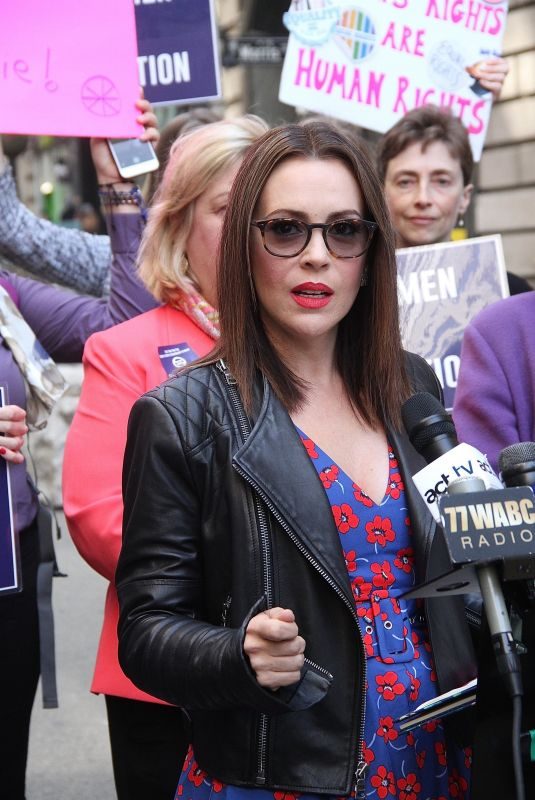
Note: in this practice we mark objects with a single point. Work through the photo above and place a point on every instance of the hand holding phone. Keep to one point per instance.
(133, 157)
(106, 166)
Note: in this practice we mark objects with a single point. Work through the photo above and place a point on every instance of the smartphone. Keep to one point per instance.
(133, 157)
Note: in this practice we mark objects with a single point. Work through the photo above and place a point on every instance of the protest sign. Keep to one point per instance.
(9, 566)
(441, 287)
(68, 69)
(178, 56)
(371, 61)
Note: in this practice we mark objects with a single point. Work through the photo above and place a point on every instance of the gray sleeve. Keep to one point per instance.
(63, 255)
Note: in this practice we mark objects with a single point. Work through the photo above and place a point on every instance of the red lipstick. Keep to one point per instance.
(312, 295)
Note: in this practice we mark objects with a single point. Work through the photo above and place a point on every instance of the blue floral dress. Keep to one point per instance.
(376, 541)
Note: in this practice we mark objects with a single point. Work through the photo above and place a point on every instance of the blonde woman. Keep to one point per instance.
(177, 264)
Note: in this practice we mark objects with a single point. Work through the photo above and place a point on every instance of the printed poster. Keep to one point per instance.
(9, 563)
(441, 287)
(371, 61)
(178, 58)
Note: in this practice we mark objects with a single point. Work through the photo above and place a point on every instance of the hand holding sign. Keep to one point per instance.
(13, 429)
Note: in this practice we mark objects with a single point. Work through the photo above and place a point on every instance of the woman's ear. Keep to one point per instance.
(465, 198)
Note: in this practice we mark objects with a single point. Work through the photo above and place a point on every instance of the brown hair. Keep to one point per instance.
(426, 125)
(368, 349)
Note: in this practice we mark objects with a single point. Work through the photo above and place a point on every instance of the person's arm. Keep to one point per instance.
(92, 497)
(165, 647)
(63, 255)
(483, 412)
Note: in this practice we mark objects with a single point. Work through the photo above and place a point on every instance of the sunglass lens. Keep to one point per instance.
(285, 237)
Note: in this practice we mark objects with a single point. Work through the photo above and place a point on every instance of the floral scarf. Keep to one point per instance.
(201, 312)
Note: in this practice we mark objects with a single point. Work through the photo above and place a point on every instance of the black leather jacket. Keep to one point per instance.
(218, 524)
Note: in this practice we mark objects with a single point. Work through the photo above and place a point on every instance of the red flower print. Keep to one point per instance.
(380, 531)
(409, 788)
(430, 727)
(457, 785)
(388, 685)
(362, 497)
(188, 759)
(414, 688)
(367, 754)
(329, 475)
(440, 750)
(386, 729)
(344, 517)
(382, 575)
(404, 559)
(368, 644)
(420, 758)
(392, 460)
(179, 791)
(351, 560)
(410, 739)
(467, 757)
(361, 589)
(217, 786)
(310, 447)
(196, 775)
(395, 486)
(415, 642)
(286, 795)
(383, 782)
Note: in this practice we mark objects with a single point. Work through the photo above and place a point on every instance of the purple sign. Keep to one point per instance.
(178, 56)
(9, 568)
(175, 356)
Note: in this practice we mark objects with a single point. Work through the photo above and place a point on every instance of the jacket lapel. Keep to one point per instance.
(287, 479)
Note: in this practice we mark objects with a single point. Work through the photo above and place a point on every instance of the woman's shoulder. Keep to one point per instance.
(507, 315)
(422, 377)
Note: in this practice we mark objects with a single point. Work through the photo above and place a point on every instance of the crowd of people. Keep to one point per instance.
(253, 510)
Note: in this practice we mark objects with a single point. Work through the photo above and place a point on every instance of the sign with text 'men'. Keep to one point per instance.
(178, 57)
(371, 61)
(441, 287)
(9, 565)
(68, 69)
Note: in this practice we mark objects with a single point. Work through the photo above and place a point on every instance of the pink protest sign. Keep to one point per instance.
(68, 68)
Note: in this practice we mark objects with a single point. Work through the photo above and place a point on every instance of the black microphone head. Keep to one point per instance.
(517, 464)
(425, 419)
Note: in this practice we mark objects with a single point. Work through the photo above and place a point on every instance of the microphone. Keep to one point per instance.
(517, 464)
(432, 433)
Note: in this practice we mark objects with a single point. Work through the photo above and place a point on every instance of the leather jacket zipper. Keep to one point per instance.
(265, 546)
(361, 767)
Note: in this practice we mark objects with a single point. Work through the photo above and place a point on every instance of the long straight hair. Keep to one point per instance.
(369, 354)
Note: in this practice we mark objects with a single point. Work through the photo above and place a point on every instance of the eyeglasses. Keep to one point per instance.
(344, 238)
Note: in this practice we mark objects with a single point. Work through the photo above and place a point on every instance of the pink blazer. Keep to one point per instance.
(120, 364)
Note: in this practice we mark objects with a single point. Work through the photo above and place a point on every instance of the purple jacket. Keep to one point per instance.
(495, 396)
(62, 321)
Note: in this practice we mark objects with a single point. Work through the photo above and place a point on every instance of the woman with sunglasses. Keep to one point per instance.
(270, 521)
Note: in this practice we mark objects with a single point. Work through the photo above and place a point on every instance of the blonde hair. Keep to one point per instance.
(195, 160)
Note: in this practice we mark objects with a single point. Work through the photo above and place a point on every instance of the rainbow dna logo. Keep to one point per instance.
(355, 34)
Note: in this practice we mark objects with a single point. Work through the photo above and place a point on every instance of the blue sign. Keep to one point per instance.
(9, 567)
(441, 287)
(178, 55)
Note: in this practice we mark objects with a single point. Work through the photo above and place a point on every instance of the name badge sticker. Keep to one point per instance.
(176, 356)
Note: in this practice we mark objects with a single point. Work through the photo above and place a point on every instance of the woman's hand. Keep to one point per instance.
(274, 648)
(105, 166)
(12, 431)
(491, 74)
